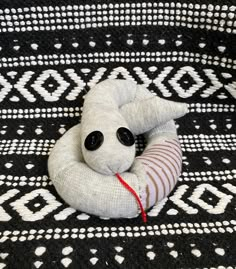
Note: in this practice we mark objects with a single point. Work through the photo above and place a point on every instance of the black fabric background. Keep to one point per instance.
(174, 233)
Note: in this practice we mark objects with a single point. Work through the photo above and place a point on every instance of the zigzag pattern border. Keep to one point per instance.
(28, 88)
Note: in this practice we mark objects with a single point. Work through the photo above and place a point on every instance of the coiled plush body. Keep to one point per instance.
(86, 179)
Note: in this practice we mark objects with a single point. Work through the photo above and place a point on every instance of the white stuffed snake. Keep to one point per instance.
(93, 165)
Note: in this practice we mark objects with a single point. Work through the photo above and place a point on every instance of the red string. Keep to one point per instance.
(127, 186)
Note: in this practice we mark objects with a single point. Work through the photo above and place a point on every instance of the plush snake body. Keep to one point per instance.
(84, 162)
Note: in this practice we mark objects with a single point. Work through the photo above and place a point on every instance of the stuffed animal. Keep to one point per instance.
(93, 165)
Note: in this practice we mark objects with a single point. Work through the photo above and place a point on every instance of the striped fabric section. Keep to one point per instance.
(162, 163)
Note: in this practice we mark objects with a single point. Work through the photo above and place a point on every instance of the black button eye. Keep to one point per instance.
(125, 136)
(94, 140)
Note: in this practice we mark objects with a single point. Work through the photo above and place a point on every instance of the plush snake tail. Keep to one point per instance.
(131, 190)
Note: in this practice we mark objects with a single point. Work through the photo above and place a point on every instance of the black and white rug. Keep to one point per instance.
(51, 54)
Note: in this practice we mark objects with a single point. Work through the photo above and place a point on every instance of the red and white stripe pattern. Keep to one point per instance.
(162, 163)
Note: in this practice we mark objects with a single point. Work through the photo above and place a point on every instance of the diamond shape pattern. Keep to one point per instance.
(219, 208)
(20, 205)
(48, 95)
(175, 82)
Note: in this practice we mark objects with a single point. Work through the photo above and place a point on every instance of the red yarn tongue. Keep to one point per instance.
(127, 186)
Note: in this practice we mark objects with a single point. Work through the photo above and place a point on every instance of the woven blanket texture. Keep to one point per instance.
(51, 54)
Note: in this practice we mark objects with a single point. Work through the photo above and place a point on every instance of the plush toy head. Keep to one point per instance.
(113, 113)
(107, 143)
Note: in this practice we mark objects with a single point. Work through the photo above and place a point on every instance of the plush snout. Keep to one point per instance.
(111, 157)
